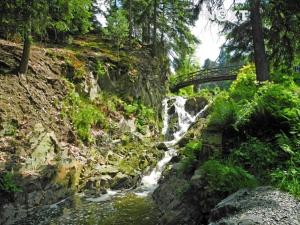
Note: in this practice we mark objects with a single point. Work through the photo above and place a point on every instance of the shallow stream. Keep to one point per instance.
(134, 207)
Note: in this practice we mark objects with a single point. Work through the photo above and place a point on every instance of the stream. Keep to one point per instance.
(126, 207)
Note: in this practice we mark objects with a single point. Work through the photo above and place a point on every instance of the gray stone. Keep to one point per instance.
(195, 105)
(121, 181)
(162, 146)
(263, 205)
(44, 147)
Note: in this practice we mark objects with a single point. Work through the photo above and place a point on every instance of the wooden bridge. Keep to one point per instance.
(205, 76)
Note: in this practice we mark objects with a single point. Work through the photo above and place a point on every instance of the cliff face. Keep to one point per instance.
(64, 129)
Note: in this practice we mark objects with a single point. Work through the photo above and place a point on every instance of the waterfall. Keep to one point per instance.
(150, 182)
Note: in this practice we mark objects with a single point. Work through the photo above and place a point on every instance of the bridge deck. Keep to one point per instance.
(205, 76)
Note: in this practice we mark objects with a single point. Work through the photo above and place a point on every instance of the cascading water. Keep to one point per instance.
(150, 182)
(131, 207)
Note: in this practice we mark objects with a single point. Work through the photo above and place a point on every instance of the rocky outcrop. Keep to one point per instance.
(39, 145)
(263, 205)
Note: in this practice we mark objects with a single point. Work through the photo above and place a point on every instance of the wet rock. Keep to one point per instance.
(171, 110)
(263, 205)
(121, 181)
(195, 105)
(162, 146)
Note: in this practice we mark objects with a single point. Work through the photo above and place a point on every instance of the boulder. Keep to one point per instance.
(121, 181)
(44, 147)
(263, 205)
(162, 146)
(195, 105)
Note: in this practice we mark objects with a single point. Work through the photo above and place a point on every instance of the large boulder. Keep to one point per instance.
(263, 205)
(195, 105)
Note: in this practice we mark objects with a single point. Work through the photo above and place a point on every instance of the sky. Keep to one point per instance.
(209, 34)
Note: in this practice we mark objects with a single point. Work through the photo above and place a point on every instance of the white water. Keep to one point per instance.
(150, 182)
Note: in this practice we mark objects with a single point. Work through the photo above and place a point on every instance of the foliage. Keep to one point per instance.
(223, 112)
(7, 183)
(281, 36)
(255, 156)
(117, 27)
(189, 154)
(70, 16)
(144, 115)
(83, 114)
(100, 69)
(244, 87)
(225, 178)
(287, 180)
(282, 102)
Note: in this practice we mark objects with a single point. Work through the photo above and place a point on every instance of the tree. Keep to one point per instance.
(118, 27)
(280, 22)
(260, 58)
(32, 18)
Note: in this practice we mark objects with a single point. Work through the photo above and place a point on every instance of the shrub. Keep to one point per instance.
(255, 156)
(189, 155)
(288, 180)
(7, 183)
(100, 69)
(225, 179)
(244, 87)
(223, 112)
(279, 101)
(83, 114)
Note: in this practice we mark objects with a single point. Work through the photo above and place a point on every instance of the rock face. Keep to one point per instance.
(263, 205)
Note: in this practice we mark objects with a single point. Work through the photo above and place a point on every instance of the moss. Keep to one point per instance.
(224, 178)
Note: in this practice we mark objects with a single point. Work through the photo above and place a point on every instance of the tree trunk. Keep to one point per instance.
(130, 24)
(26, 53)
(154, 42)
(260, 58)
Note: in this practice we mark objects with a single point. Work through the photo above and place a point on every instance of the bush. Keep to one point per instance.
(288, 180)
(7, 183)
(255, 156)
(244, 87)
(189, 154)
(224, 111)
(225, 179)
(279, 101)
(83, 115)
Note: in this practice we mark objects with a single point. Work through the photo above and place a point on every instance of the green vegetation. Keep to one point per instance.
(84, 115)
(225, 179)
(117, 27)
(189, 154)
(8, 184)
(261, 126)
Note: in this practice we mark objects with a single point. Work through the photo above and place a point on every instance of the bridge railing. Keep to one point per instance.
(205, 73)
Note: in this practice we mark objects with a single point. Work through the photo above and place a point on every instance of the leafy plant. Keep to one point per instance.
(7, 183)
(223, 112)
(255, 156)
(189, 155)
(287, 180)
(83, 115)
(100, 69)
(223, 178)
(117, 27)
(244, 87)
